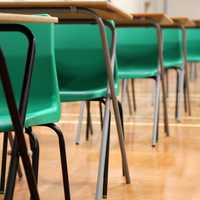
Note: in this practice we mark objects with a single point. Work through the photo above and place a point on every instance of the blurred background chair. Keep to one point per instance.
(137, 57)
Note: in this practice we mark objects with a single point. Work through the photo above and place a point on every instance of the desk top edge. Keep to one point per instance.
(12, 17)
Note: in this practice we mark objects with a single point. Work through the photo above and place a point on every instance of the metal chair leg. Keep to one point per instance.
(192, 71)
(121, 116)
(177, 93)
(195, 71)
(180, 82)
(63, 159)
(10, 185)
(187, 90)
(78, 131)
(122, 122)
(165, 110)
(156, 112)
(185, 98)
(110, 61)
(101, 114)
(90, 122)
(7, 137)
(123, 93)
(158, 128)
(34, 144)
(167, 83)
(89, 128)
(133, 94)
(11, 140)
(3, 162)
(106, 169)
(129, 99)
(104, 140)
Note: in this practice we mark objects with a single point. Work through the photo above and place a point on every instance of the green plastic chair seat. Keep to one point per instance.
(75, 90)
(80, 62)
(176, 63)
(172, 48)
(193, 47)
(138, 72)
(39, 113)
(193, 58)
(137, 52)
(44, 101)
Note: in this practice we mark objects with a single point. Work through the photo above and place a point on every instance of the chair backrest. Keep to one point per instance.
(80, 59)
(137, 46)
(193, 44)
(44, 86)
(172, 38)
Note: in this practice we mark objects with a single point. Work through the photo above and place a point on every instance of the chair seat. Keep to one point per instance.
(41, 112)
(137, 72)
(193, 58)
(77, 90)
(173, 64)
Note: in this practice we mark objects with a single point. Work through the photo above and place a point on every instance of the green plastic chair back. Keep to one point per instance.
(80, 62)
(172, 38)
(44, 100)
(193, 44)
(137, 52)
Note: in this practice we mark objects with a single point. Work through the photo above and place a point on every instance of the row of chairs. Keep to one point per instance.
(138, 58)
(69, 66)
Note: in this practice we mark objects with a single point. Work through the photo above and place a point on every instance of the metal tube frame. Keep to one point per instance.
(162, 74)
(18, 115)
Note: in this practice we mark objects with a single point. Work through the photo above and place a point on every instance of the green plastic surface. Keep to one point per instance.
(137, 52)
(173, 57)
(80, 62)
(193, 44)
(44, 100)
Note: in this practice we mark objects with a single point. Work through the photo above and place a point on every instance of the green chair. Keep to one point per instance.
(137, 57)
(44, 100)
(173, 60)
(82, 74)
(193, 49)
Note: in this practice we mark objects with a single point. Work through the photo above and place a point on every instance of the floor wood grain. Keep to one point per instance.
(168, 172)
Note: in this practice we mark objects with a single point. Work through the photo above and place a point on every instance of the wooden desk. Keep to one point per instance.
(183, 21)
(159, 18)
(19, 18)
(102, 8)
(146, 18)
(196, 22)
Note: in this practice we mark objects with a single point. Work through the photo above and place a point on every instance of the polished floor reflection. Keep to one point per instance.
(168, 172)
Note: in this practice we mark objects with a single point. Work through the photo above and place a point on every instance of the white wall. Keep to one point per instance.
(130, 5)
(189, 8)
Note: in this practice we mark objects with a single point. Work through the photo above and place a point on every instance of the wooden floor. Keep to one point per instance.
(168, 172)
